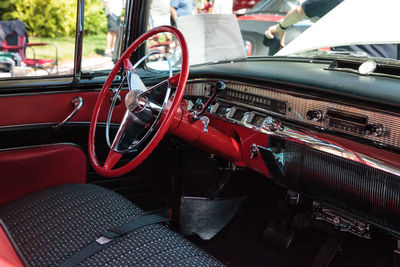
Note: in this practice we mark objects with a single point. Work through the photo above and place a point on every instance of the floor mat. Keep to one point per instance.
(241, 244)
(205, 217)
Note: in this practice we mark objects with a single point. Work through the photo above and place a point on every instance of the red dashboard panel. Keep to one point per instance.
(210, 139)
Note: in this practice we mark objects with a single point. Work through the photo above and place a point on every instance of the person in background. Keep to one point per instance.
(208, 6)
(180, 8)
(223, 7)
(113, 9)
(159, 13)
(319, 8)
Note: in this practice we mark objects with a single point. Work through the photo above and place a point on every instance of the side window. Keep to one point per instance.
(103, 28)
(37, 38)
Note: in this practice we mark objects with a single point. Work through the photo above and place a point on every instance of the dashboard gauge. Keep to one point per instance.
(236, 113)
(221, 110)
(266, 103)
(257, 120)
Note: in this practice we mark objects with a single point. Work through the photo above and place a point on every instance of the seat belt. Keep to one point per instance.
(111, 236)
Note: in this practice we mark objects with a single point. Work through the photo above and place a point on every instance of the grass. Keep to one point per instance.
(92, 46)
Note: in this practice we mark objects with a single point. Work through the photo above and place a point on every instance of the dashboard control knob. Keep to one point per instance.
(220, 85)
(254, 151)
(199, 104)
(315, 115)
(375, 129)
(189, 104)
(271, 124)
(205, 120)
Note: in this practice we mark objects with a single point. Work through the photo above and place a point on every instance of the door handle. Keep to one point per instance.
(76, 103)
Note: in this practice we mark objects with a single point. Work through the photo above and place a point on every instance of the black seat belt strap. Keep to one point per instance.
(112, 235)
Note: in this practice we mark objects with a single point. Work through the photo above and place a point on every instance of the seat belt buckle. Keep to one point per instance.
(103, 240)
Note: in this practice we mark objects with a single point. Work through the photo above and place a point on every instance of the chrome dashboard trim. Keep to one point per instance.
(51, 124)
(309, 139)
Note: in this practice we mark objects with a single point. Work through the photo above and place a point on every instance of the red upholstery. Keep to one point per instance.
(22, 44)
(53, 108)
(33, 62)
(27, 170)
(8, 256)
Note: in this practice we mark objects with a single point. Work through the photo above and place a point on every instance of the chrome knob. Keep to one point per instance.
(254, 151)
(315, 115)
(205, 120)
(271, 124)
(199, 105)
(375, 129)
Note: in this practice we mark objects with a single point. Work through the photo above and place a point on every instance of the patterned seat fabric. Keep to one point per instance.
(50, 226)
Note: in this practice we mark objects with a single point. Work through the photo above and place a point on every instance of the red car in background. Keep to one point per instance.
(243, 4)
(255, 21)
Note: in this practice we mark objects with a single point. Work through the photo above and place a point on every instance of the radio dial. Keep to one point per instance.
(375, 129)
(315, 115)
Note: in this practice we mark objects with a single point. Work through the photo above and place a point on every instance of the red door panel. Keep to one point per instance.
(51, 108)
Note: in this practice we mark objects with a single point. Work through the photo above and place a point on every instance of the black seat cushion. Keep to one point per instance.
(50, 226)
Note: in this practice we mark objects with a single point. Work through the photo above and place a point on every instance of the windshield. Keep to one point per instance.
(279, 7)
(300, 28)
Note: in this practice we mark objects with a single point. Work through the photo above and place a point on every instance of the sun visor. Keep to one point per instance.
(352, 22)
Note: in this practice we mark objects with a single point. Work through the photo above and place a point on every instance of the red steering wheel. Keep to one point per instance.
(136, 103)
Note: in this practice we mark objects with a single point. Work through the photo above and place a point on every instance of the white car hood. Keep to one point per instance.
(351, 22)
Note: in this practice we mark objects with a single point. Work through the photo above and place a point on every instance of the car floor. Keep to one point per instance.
(241, 242)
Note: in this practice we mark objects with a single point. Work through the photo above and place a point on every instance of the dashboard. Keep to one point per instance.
(263, 107)
(340, 152)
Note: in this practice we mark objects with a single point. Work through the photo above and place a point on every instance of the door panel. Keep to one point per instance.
(26, 120)
(52, 108)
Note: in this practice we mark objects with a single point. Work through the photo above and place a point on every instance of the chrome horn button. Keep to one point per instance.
(134, 102)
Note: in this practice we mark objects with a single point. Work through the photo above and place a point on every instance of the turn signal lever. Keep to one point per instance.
(215, 89)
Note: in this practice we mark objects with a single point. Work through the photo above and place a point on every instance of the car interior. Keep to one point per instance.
(261, 161)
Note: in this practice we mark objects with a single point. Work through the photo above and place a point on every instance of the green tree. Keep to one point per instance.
(95, 18)
(54, 18)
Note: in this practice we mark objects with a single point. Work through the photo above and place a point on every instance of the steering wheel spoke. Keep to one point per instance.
(128, 64)
(133, 130)
(174, 80)
(112, 159)
(134, 82)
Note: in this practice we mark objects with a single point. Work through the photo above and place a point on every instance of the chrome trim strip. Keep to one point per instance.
(51, 124)
(79, 39)
(72, 91)
(309, 139)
